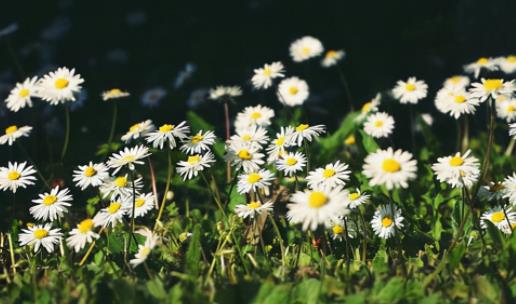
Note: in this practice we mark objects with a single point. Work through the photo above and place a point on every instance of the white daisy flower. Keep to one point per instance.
(252, 209)
(21, 95)
(251, 135)
(305, 48)
(319, 206)
(291, 163)
(114, 93)
(369, 107)
(138, 130)
(254, 116)
(82, 235)
(120, 187)
(254, 181)
(60, 86)
(491, 88)
(498, 217)
(332, 57)
(386, 221)
(151, 240)
(278, 146)
(293, 91)
(221, 92)
(457, 170)
(194, 164)
(410, 91)
(506, 109)
(128, 157)
(379, 125)
(143, 203)
(245, 156)
(482, 63)
(390, 168)
(306, 132)
(16, 175)
(507, 64)
(509, 188)
(356, 198)
(12, 133)
(91, 174)
(52, 205)
(455, 102)
(168, 133)
(338, 229)
(111, 215)
(262, 78)
(40, 235)
(456, 82)
(332, 175)
(198, 143)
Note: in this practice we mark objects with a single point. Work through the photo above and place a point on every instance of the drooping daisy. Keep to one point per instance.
(332, 175)
(111, 215)
(114, 93)
(498, 217)
(338, 229)
(254, 181)
(245, 156)
(60, 86)
(306, 132)
(482, 63)
(379, 125)
(332, 57)
(128, 157)
(386, 221)
(251, 135)
(12, 133)
(151, 240)
(457, 170)
(410, 91)
(198, 143)
(291, 163)
(91, 174)
(390, 168)
(194, 164)
(168, 133)
(455, 102)
(16, 175)
(21, 95)
(491, 88)
(252, 209)
(493, 191)
(262, 78)
(509, 188)
(138, 130)
(456, 82)
(82, 235)
(319, 206)
(143, 203)
(41, 235)
(305, 48)
(120, 187)
(507, 64)
(293, 91)
(506, 110)
(254, 116)
(369, 107)
(356, 198)
(222, 92)
(52, 205)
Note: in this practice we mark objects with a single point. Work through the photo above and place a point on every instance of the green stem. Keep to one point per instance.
(67, 132)
(346, 87)
(465, 135)
(167, 186)
(510, 147)
(113, 123)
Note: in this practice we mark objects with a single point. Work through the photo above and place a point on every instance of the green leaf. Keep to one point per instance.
(335, 140)
(393, 291)
(495, 234)
(368, 142)
(197, 123)
(307, 291)
(156, 289)
(193, 254)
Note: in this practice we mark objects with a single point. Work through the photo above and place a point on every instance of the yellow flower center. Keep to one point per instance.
(331, 54)
(115, 91)
(139, 202)
(317, 199)
(460, 99)
(246, 137)
(166, 128)
(197, 138)
(192, 160)
(61, 83)
(456, 161)
(129, 158)
(254, 205)
(244, 154)
(386, 221)
(302, 127)
(13, 175)
(497, 217)
(291, 161)
(378, 123)
(90, 171)
(353, 196)
(337, 229)
(501, 98)
(511, 59)
(350, 140)
(254, 178)
(293, 90)
(391, 165)
(410, 87)
(510, 108)
(483, 60)
(23, 92)
(366, 107)
(49, 200)
(11, 129)
(267, 72)
(114, 207)
(121, 181)
(328, 172)
(85, 226)
(134, 128)
(306, 51)
(256, 115)
(280, 141)
(492, 84)
(145, 251)
(40, 233)
(455, 79)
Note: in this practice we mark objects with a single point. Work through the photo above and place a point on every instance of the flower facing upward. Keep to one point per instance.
(198, 143)
(222, 92)
(305, 48)
(386, 221)
(502, 219)
(128, 157)
(410, 91)
(143, 203)
(291, 163)
(90, 175)
(277, 147)
(245, 156)
(168, 133)
(254, 116)
(40, 236)
(455, 102)
(114, 93)
(507, 64)
(293, 91)
(483, 63)
(254, 181)
(369, 107)
(306, 132)
(332, 175)
(194, 164)
(356, 198)
(390, 168)
(506, 109)
(52, 205)
(456, 82)
(262, 78)
(13, 132)
(338, 229)
(332, 57)
(457, 170)
(493, 87)
(81, 235)
(60, 86)
(120, 187)
(252, 209)
(22, 94)
(252, 135)
(379, 125)
(138, 130)
(16, 176)
(111, 215)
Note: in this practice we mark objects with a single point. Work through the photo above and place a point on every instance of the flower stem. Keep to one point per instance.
(67, 132)
(113, 124)
(465, 135)
(510, 147)
(346, 88)
(490, 139)
(167, 186)
(226, 123)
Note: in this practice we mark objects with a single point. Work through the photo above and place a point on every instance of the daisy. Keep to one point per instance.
(82, 235)
(506, 110)
(379, 125)
(482, 63)
(138, 130)
(456, 82)
(457, 170)
(111, 215)
(293, 91)
(498, 217)
(221, 92)
(194, 164)
(254, 116)
(369, 107)
(386, 221)
(12, 133)
(60, 86)
(114, 93)
(427, 118)
(316, 207)
(356, 198)
(52, 205)
(491, 88)
(128, 157)
(332, 175)
(252, 209)
(143, 203)
(251, 135)
(509, 189)
(244, 156)
(507, 64)
(263, 77)
(198, 143)
(410, 91)
(338, 229)
(120, 186)
(22, 94)
(305, 48)
(277, 147)
(390, 168)
(291, 163)
(455, 102)
(168, 133)
(41, 235)
(332, 57)
(307, 132)
(153, 97)
(254, 181)
(91, 174)
(151, 240)
(16, 176)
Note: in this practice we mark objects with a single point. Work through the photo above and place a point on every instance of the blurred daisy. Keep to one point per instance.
(369, 107)
(278, 145)
(332, 57)
(254, 181)
(305, 48)
(491, 88)
(245, 156)
(482, 63)
(306, 132)
(152, 97)
(21, 95)
(291, 163)
(494, 191)
(128, 157)
(379, 125)
(332, 175)
(427, 119)
(198, 143)
(82, 235)
(143, 203)
(254, 116)
(120, 187)
(194, 164)
(457, 170)
(252, 209)
(138, 130)
(386, 220)
(222, 92)
(16, 175)
(338, 229)
(509, 188)
(111, 215)
(40, 235)
(52, 205)
(293, 91)
(410, 91)
(507, 64)
(356, 198)
(251, 135)
(168, 133)
(390, 168)
(115, 93)
(456, 82)
(151, 240)
(13, 132)
(455, 102)
(506, 110)
(60, 86)
(498, 217)
(263, 77)
(90, 175)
